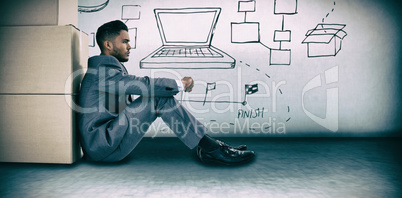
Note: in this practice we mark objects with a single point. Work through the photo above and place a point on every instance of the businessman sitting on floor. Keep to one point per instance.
(109, 131)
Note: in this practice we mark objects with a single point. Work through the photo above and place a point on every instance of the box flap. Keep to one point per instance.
(330, 26)
(324, 33)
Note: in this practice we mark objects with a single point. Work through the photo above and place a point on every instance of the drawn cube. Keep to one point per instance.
(280, 57)
(324, 40)
(285, 7)
(246, 6)
(248, 32)
(280, 35)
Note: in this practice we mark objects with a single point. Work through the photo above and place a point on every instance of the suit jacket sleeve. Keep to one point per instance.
(113, 80)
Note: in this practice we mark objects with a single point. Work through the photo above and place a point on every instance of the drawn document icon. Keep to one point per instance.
(186, 35)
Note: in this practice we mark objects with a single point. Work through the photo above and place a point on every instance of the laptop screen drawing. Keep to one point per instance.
(186, 36)
(180, 28)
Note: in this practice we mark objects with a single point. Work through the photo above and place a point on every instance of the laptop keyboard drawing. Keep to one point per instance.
(186, 35)
(187, 52)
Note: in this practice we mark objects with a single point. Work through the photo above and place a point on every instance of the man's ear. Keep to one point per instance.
(108, 45)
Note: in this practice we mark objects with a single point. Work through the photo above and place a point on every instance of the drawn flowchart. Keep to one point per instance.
(280, 56)
(249, 32)
(245, 32)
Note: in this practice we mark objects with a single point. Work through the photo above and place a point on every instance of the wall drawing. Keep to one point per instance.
(324, 40)
(326, 16)
(285, 7)
(95, 8)
(91, 39)
(249, 89)
(210, 87)
(249, 32)
(186, 50)
(280, 56)
(133, 37)
(245, 32)
(186, 35)
(130, 12)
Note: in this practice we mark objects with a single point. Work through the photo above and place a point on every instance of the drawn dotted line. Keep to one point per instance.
(287, 120)
(256, 69)
(323, 19)
(280, 91)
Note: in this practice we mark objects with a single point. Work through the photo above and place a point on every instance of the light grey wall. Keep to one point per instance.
(361, 100)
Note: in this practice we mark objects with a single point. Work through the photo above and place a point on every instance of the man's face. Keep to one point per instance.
(121, 46)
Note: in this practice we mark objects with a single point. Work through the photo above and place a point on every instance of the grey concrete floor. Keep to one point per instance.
(164, 167)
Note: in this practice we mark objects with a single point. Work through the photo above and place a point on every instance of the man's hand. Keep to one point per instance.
(188, 84)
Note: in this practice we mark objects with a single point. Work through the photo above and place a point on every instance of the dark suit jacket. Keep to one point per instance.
(104, 93)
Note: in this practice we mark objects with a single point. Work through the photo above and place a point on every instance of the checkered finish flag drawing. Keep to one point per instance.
(250, 89)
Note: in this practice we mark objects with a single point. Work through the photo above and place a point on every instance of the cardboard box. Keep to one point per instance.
(42, 59)
(39, 12)
(324, 40)
(38, 129)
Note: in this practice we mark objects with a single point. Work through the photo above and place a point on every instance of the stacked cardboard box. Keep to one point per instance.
(39, 12)
(41, 67)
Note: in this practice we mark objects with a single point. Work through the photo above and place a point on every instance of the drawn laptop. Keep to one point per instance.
(186, 37)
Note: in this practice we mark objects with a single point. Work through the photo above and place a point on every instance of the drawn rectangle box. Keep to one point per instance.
(282, 35)
(38, 12)
(280, 57)
(324, 40)
(248, 32)
(91, 39)
(285, 7)
(63, 51)
(246, 6)
(133, 37)
(38, 129)
(130, 12)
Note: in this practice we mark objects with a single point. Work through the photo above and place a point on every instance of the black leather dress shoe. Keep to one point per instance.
(240, 147)
(226, 155)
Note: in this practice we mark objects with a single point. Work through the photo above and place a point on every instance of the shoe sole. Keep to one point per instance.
(211, 161)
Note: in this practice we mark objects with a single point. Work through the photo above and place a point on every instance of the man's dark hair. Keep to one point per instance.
(108, 31)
